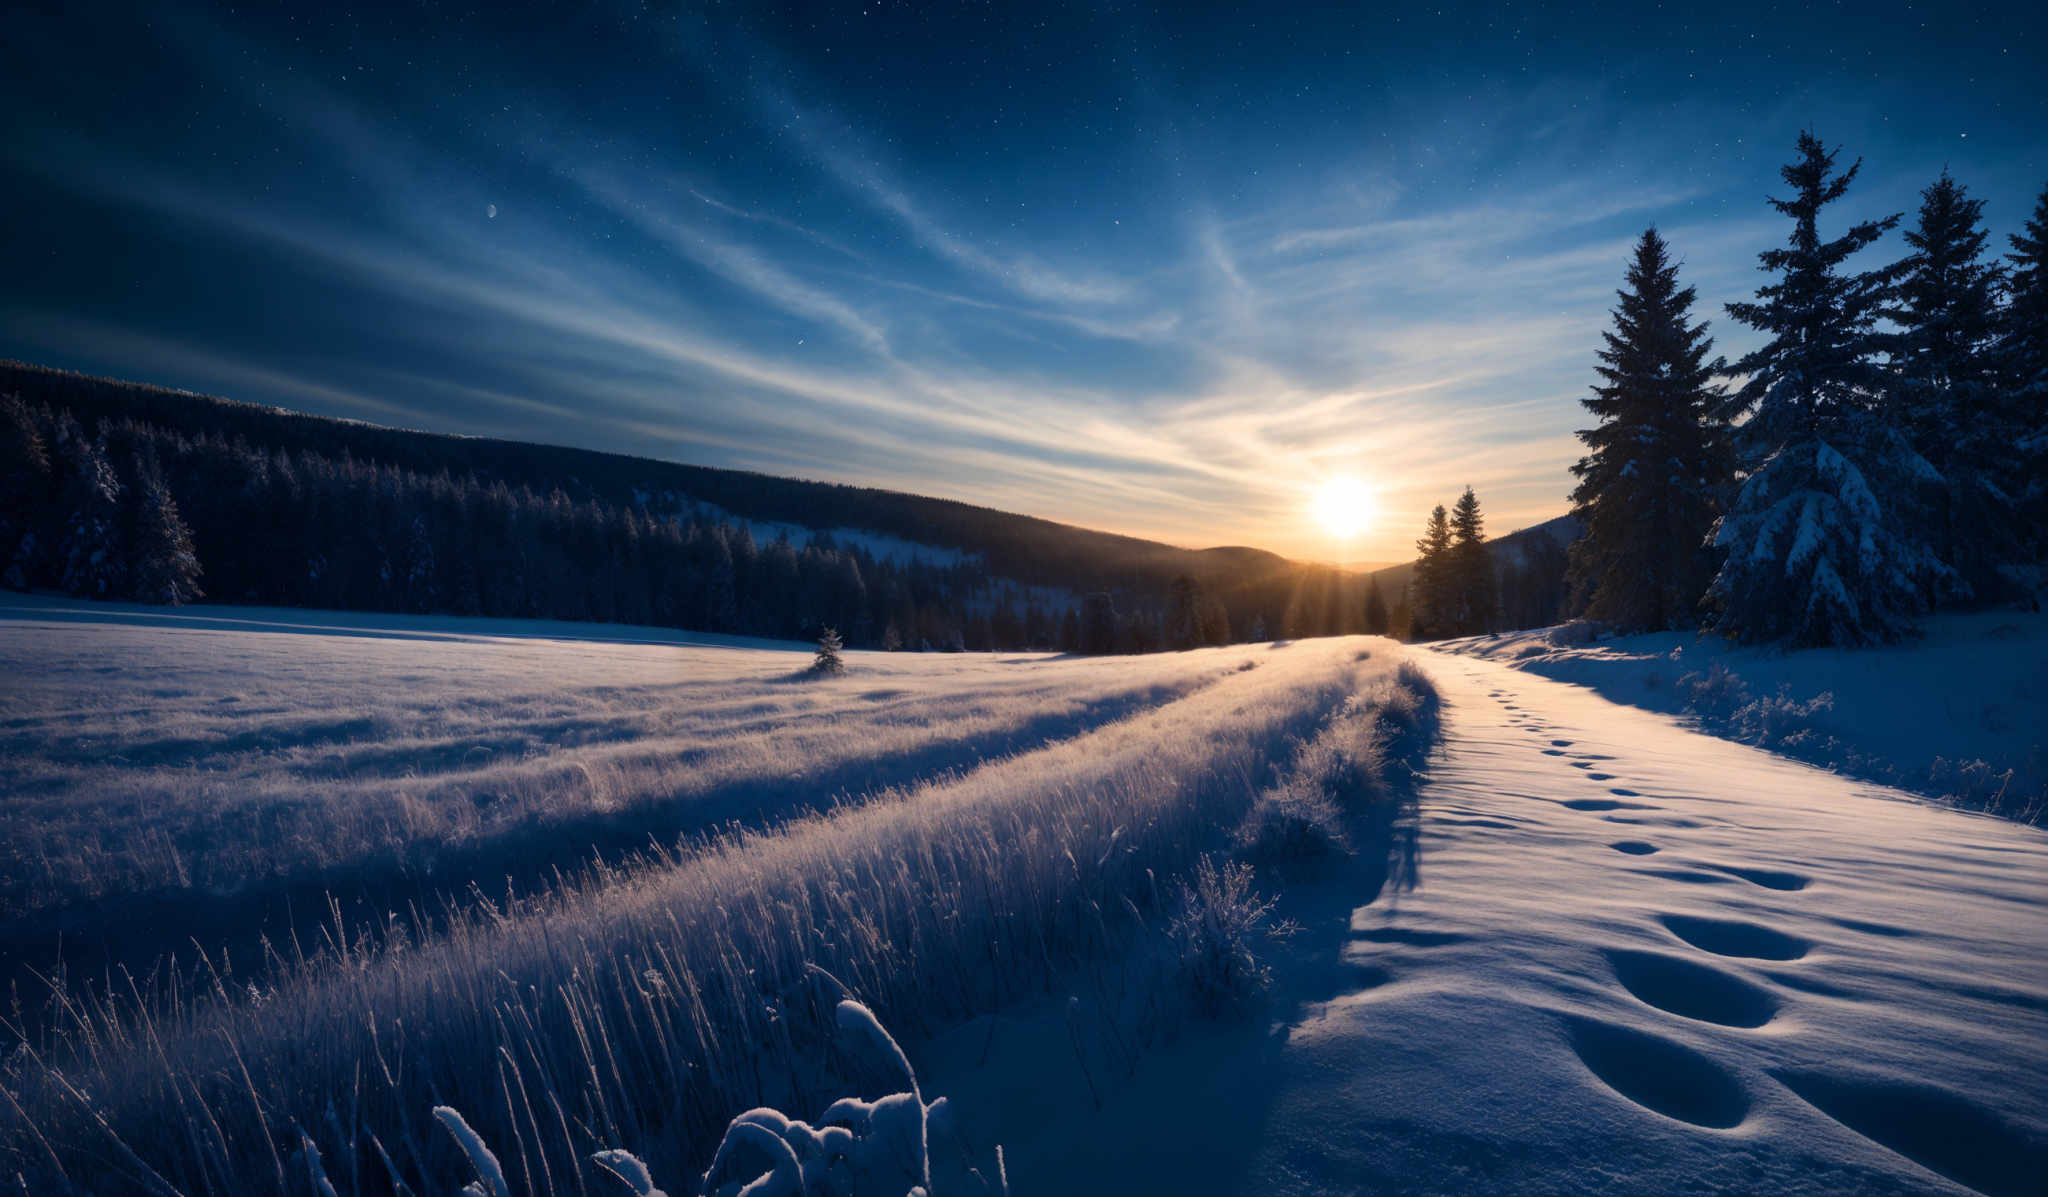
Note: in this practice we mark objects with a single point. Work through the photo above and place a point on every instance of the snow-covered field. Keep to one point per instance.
(1635, 959)
(1597, 951)
(204, 752)
(1018, 818)
(1948, 714)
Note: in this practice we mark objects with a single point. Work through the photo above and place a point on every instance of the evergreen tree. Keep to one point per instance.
(828, 660)
(1375, 608)
(1477, 592)
(166, 570)
(1822, 539)
(1430, 588)
(92, 552)
(1946, 393)
(2023, 371)
(24, 488)
(1657, 462)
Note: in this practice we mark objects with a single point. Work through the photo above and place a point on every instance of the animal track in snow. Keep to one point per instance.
(1692, 990)
(1601, 776)
(1659, 1075)
(1726, 937)
(1633, 847)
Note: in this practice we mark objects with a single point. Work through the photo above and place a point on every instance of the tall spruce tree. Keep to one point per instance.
(1474, 589)
(1657, 463)
(166, 569)
(93, 557)
(1430, 587)
(24, 489)
(2023, 372)
(1823, 540)
(1946, 396)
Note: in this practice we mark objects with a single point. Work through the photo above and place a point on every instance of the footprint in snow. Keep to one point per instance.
(1692, 990)
(1605, 804)
(1659, 1075)
(1728, 937)
(1634, 847)
(1768, 878)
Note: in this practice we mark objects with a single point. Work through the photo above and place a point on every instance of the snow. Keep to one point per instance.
(1634, 958)
(1974, 687)
(879, 545)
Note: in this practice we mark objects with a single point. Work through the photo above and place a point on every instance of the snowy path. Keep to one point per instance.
(1639, 959)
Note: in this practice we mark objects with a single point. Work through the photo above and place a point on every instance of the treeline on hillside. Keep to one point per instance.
(300, 510)
(1884, 453)
(129, 510)
(1023, 549)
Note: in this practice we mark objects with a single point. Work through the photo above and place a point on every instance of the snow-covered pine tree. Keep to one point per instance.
(91, 553)
(166, 569)
(24, 490)
(1946, 396)
(1824, 539)
(1475, 592)
(1657, 463)
(2023, 371)
(828, 660)
(1429, 589)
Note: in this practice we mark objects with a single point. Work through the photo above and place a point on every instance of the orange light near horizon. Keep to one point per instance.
(1344, 506)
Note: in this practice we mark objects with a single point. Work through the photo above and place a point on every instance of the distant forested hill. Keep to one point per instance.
(295, 509)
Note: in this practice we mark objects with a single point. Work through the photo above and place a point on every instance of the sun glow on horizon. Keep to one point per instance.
(1343, 505)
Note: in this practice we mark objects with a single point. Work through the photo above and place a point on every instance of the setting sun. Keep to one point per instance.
(1343, 506)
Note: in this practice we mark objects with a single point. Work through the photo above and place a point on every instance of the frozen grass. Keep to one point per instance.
(207, 766)
(640, 1006)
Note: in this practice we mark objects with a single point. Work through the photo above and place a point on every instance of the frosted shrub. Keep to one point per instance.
(1218, 923)
(856, 1148)
(1784, 722)
(1714, 696)
(1294, 821)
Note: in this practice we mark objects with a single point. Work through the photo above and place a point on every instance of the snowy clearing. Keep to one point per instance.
(1921, 714)
(1636, 959)
(196, 756)
(648, 1000)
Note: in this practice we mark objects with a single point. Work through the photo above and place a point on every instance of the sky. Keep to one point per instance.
(1166, 270)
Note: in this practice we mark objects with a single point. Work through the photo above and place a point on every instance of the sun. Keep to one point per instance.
(1343, 505)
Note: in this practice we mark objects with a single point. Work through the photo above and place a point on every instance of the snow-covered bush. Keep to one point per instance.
(1573, 633)
(856, 1148)
(1783, 722)
(1714, 696)
(1218, 925)
(1296, 820)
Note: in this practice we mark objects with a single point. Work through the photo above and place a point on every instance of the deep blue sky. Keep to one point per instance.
(1153, 269)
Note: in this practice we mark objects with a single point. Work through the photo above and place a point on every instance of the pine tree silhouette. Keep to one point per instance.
(1657, 463)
